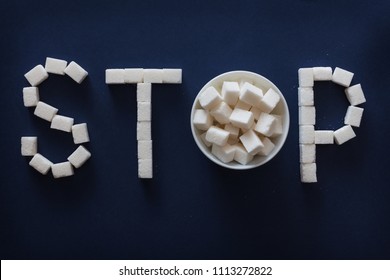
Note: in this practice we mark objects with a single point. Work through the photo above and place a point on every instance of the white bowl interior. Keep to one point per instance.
(281, 109)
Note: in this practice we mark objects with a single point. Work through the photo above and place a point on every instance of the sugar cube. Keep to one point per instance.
(80, 133)
(355, 95)
(55, 66)
(306, 134)
(115, 76)
(29, 146)
(322, 73)
(323, 137)
(224, 153)
(241, 118)
(172, 76)
(209, 98)
(305, 96)
(62, 123)
(251, 94)
(154, 76)
(353, 116)
(62, 169)
(79, 156)
(203, 137)
(40, 163)
(45, 111)
(242, 105)
(307, 115)
(202, 119)
(145, 149)
(233, 131)
(30, 96)
(265, 124)
(268, 147)
(343, 134)
(133, 75)
(230, 92)
(144, 131)
(221, 113)
(308, 173)
(76, 72)
(305, 77)
(144, 92)
(278, 126)
(269, 101)
(342, 77)
(217, 136)
(256, 112)
(144, 111)
(307, 153)
(145, 168)
(241, 155)
(36, 75)
(251, 142)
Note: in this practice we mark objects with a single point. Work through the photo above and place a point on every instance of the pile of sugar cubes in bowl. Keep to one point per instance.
(240, 120)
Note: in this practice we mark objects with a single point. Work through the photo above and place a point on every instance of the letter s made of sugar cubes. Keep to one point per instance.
(308, 136)
(29, 144)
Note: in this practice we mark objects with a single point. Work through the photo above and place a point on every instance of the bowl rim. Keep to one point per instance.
(237, 166)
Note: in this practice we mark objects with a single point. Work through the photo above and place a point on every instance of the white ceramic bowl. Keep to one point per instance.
(281, 109)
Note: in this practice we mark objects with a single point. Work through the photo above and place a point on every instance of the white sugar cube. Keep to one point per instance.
(40, 163)
(355, 95)
(308, 173)
(278, 126)
(115, 76)
(256, 112)
(268, 147)
(323, 137)
(29, 146)
(45, 111)
(172, 76)
(145, 168)
(62, 169)
(62, 123)
(265, 124)
(307, 115)
(209, 98)
(230, 92)
(144, 92)
(80, 133)
(203, 137)
(55, 66)
(251, 142)
(76, 72)
(307, 153)
(144, 131)
(306, 134)
(241, 118)
(224, 153)
(36, 75)
(353, 116)
(79, 156)
(342, 77)
(242, 105)
(241, 155)
(344, 134)
(145, 149)
(202, 119)
(154, 76)
(221, 113)
(233, 131)
(251, 94)
(322, 73)
(144, 111)
(305, 96)
(305, 77)
(269, 101)
(30, 96)
(217, 136)
(133, 75)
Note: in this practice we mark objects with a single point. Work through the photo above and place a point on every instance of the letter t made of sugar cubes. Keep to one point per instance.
(144, 78)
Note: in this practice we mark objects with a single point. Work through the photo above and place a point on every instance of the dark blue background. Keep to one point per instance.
(192, 209)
